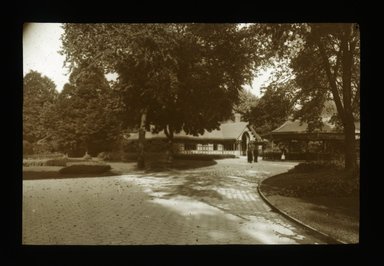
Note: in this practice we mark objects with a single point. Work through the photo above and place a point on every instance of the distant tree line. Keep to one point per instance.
(79, 119)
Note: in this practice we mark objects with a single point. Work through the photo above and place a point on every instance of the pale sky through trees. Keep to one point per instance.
(41, 43)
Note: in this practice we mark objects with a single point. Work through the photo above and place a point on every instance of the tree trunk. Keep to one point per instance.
(141, 155)
(343, 105)
(349, 127)
(169, 133)
(170, 151)
(350, 146)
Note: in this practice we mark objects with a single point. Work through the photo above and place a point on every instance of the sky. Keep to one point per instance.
(41, 44)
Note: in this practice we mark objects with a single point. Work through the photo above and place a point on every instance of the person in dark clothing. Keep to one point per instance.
(255, 153)
(249, 153)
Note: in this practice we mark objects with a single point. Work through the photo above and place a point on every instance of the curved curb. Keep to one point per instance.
(329, 239)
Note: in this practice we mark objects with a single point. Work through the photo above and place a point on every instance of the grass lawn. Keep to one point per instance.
(326, 200)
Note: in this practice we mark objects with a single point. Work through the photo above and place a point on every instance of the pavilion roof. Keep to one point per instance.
(226, 131)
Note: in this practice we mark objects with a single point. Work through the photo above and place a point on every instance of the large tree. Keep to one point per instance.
(86, 120)
(247, 102)
(172, 77)
(273, 108)
(39, 95)
(325, 59)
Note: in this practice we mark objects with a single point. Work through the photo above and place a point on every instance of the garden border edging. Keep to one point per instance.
(330, 239)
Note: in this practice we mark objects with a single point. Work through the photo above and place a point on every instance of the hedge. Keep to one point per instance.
(85, 169)
(57, 162)
(132, 157)
(34, 162)
(117, 156)
(203, 157)
(45, 162)
(44, 156)
(306, 156)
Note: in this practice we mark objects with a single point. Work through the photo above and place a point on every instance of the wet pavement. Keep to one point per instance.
(217, 204)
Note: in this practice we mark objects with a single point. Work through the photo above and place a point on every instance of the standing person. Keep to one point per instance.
(283, 154)
(255, 153)
(249, 153)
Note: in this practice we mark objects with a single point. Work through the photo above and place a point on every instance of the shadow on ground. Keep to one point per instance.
(195, 202)
(189, 191)
(114, 212)
(36, 175)
(118, 168)
(177, 164)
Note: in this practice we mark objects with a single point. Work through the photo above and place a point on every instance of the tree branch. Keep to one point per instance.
(357, 94)
(331, 80)
(338, 82)
(347, 63)
(336, 68)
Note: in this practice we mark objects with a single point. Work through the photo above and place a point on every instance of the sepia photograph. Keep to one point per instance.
(191, 134)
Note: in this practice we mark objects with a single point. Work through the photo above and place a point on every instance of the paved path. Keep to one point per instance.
(218, 204)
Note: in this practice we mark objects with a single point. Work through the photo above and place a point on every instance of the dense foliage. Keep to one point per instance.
(273, 108)
(171, 76)
(86, 120)
(324, 60)
(39, 96)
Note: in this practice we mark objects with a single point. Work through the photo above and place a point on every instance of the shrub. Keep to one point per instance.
(85, 169)
(272, 155)
(85, 162)
(56, 162)
(154, 156)
(34, 162)
(45, 162)
(117, 156)
(203, 157)
(44, 156)
(307, 156)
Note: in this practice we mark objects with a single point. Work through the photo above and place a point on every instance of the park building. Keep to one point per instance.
(232, 138)
(299, 143)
